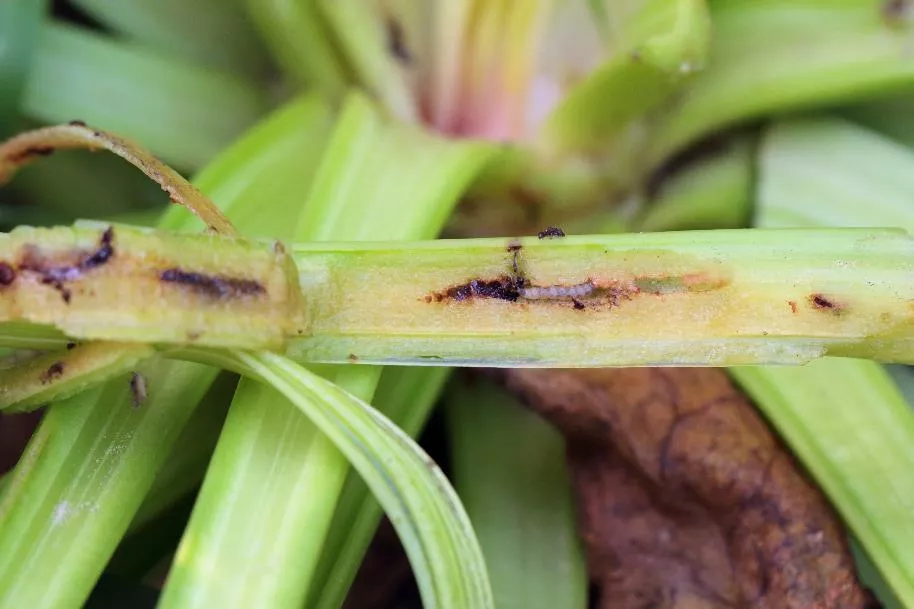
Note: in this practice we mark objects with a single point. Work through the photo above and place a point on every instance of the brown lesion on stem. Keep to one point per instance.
(212, 286)
(498, 288)
(7, 273)
(516, 287)
(509, 289)
(53, 372)
(28, 154)
(33, 260)
(826, 304)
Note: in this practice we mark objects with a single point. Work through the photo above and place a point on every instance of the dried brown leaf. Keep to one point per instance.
(686, 499)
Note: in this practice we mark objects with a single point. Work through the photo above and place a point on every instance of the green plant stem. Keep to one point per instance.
(735, 297)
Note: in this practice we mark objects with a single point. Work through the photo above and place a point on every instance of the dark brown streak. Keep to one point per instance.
(54, 371)
(823, 303)
(503, 288)
(550, 231)
(7, 274)
(57, 276)
(214, 286)
(396, 42)
(28, 153)
(101, 255)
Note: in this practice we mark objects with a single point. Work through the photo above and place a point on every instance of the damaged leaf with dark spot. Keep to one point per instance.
(685, 498)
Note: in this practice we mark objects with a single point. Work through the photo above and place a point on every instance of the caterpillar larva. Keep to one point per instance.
(579, 290)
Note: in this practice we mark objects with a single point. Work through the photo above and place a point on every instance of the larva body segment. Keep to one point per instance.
(579, 290)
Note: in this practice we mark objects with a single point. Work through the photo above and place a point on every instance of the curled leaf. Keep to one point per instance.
(21, 150)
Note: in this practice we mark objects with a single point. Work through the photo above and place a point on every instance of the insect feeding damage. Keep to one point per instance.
(515, 286)
(213, 286)
(7, 274)
(34, 261)
(820, 302)
(53, 372)
(24, 156)
(606, 292)
(550, 232)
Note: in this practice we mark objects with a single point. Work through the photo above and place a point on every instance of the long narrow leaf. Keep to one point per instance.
(518, 495)
(426, 512)
(405, 396)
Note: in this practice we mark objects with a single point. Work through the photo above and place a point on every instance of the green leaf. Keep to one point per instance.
(301, 44)
(183, 112)
(363, 38)
(888, 114)
(518, 496)
(824, 171)
(82, 477)
(769, 57)
(662, 42)
(427, 514)
(20, 21)
(185, 465)
(713, 191)
(214, 33)
(405, 396)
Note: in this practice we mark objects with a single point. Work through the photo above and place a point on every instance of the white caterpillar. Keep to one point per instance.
(579, 290)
